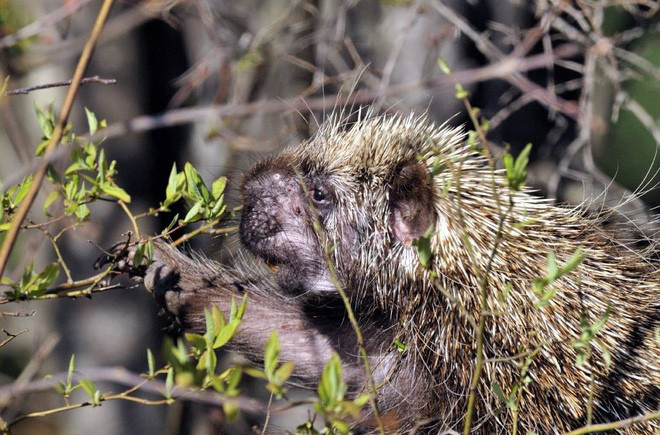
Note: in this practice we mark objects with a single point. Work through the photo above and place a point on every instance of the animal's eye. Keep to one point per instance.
(319, 195)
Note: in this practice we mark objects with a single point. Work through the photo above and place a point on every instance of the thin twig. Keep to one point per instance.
(93, 79)
(36, 360)
(207, 226)
(120, 396)
(499, 70)
(25, 206)
(621, 424)
(67, 9)
(11, 336)
(122, 204)
(56, 248)
(84, 287)
(17, 314)
(334, 278)
(270, 402)
(121, 376)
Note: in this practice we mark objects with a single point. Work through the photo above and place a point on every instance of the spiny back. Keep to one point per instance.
(484, 231)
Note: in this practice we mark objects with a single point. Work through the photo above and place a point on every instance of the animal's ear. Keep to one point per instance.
(411, 203)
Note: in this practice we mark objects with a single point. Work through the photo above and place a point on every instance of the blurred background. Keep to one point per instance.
(224, 83)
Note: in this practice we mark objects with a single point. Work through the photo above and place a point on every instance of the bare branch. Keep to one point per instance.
(11, 336)
(121, 376)
(94, 79)
(67, 9)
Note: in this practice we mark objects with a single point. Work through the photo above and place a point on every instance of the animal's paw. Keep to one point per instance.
(160, 271)
(121, 258)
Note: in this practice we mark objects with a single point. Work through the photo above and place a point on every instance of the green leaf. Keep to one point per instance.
(4, 86)
(340, 426)
(236, 313)
(460, 92)
(46, 122)
(52, 175)
(473, 138)
(82, 212)
(401, 347)
(284, 371)
(444, 67)
(75, 167)
(575, 260)
(362, 400)
(23, 189)
(351, 408)
(196, 341)
(423, 246)
(232, 308)
(196, 187)
(217, 209)
(218, 187)
(331, 388)
(218, 318)
(207, 361)
(230, 409)
(233, 379)
(254, 372)
(607, 357)
(139, 255)
(209, 323)
(498, 392)
(72, 368)
(149, 250)
(523, 159)
(50, 199)
(48, 275)
(88, 386)
(116, 191)
(242, 307)
(41, 148)
(503, 296)
(598, 324)
(508, 165)
(194, 214)
(226, 333)
(553, 268)
(516, 171)
(171, 224)
(151, 361)
(271, 354)
(169, 383)
(102, 167)
(92, 122)
(175, 184)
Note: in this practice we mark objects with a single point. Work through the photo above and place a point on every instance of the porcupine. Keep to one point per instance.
(376, 187)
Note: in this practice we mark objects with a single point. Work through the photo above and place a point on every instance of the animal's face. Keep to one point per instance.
(369, 188)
